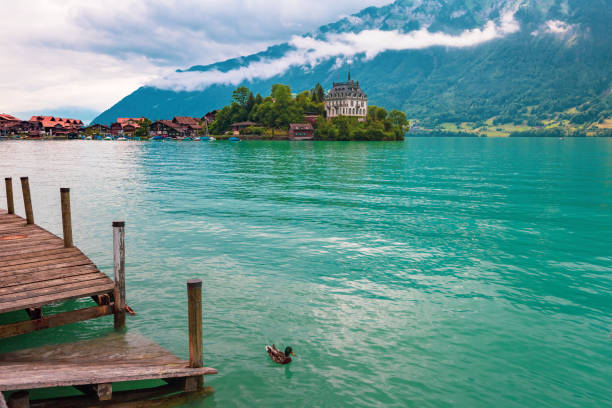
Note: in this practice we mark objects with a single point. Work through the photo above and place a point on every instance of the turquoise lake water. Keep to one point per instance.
(424, 273)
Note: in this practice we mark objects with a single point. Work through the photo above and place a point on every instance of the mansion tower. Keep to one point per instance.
(346, 99)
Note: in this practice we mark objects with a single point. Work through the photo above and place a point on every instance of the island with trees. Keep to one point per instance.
(271, 116)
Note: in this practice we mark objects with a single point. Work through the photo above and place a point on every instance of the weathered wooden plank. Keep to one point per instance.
(48, 283)
(93, 280)
(75, 260)
(30, 244)
(22, 251)
(29, 240)
(57, 297)
(32, 377)
(46, 322)
(38, 256)
(47, 275)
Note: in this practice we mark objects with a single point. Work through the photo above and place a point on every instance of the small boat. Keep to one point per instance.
(234, 139)
(187, 139)
(211, 139)
(108, 138)
(88, 138)
(157, 137)
(122, 139)
(204, 138)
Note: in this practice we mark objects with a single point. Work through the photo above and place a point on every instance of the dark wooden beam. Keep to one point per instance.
(15, 329)
(20, 399)
(163, 397)
(102, 392)
(35, 313)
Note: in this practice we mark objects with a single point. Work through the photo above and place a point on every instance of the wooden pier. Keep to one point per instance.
(37, 269)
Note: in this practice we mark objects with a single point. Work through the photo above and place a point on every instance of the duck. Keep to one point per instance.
(278, 356)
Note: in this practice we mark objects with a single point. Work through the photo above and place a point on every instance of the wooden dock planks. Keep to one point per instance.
(36, 269)
(113, 358)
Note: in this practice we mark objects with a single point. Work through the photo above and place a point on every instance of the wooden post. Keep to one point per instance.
(194, 310)
(10, 205)
(27, 200)
(66, 217)
(20, 399)
(119, 272)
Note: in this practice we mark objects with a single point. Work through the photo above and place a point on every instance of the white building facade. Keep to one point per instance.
(346, 99)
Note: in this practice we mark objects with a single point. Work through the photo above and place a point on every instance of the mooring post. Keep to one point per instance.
(119, 272)
(194, 310)
(27, 200)
(10, 205)
(20, 399)
(66, 217)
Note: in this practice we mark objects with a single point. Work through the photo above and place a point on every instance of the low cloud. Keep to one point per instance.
(556, 27)
(309, 52)
(60, 53)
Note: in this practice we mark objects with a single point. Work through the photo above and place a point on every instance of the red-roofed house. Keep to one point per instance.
(300, 131)
(56, 126)
(4, 118)
(191, 125)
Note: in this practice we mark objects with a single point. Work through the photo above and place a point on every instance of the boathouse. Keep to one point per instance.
(301, 131)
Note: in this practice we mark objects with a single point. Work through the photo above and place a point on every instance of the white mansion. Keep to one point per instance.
(346, 99)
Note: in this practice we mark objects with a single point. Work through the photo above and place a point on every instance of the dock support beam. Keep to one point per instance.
(27, 200)
(10, 205)
(66, 217)
(194, 310)
(119, 272)
(20, 399)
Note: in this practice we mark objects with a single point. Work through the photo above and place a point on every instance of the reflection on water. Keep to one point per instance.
(433, 273)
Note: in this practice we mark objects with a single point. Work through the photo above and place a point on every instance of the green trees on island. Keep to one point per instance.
(281, 108)
(379, 125)
(276, 111)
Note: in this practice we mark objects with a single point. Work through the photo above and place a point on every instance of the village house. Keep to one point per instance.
(125, 126)
(58, 127)
(210, 117)
(97, 128)
(238, 126)
(5, 118)
(116, 129)
(166, 128)
(346, 99)
(130, 121)
(191, 126)
(301, 131)
(312, 119)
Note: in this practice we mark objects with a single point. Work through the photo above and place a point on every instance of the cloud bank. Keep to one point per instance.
(61, 53)
(309, 52)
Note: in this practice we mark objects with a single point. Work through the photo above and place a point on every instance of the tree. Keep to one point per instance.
(281, 93)
(250, 103)
(241, 96)
(398, 119)
(318, 94)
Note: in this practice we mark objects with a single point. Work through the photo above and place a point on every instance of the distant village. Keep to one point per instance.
(328, 120)
(54, 127)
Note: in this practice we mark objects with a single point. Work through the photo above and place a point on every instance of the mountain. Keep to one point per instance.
(531, 62)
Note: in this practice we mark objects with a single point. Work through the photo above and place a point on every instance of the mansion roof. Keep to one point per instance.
(349, 89)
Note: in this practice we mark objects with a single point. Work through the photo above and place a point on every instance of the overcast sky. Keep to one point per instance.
(79, 57)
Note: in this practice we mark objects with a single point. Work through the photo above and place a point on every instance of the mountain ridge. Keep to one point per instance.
(556, 63)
